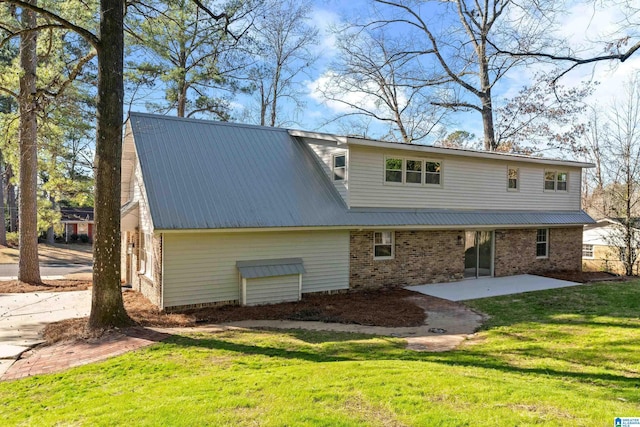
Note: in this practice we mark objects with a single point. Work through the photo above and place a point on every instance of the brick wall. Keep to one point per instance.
(152, 288)
(420, 257)
(515, 251)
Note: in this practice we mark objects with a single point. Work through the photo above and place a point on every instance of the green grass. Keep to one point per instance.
(562, 357)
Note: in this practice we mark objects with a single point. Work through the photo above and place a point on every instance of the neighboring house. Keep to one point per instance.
(602, 246)
(221, 213)
(77, 221)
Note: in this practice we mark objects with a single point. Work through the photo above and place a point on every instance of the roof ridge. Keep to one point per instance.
(205, 121)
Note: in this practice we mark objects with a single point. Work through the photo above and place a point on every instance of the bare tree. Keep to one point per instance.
(462, 50)
(618, 153)
(376, 78)
(284, 38)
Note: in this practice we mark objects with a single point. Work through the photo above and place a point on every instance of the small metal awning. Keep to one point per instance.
(270, 267)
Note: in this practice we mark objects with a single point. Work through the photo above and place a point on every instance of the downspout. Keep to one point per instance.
(162, 271)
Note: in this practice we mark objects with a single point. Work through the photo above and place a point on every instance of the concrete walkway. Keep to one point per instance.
(24, 316)
(490, 287)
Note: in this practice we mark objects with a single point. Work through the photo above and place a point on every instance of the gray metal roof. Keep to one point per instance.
(270, 267)
(204, 174)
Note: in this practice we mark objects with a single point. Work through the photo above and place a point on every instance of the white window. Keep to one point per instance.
(339, 167)
(393, 170)
(432, 171)
(542, 243)
(555, 181)
(513, 179)
(145, 253)
(413, 171)
(383, 244)
(587, 251)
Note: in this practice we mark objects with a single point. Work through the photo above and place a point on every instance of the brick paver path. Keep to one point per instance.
(65, 355)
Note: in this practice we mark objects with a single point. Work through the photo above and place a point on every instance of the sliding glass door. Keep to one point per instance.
(478, 254)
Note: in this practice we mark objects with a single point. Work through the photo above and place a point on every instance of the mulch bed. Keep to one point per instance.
(17, 287)
(584, 276)
(391, 308)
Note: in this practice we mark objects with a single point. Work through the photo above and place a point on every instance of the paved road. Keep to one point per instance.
(10, 271)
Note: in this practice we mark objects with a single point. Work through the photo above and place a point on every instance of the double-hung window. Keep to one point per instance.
(587, 251)
(339, 167)
(146, 253)
(383, 245)
(393, 170)
(555, 181)
(413, 171)
(542, 243)
(432, 172)
(513, 179)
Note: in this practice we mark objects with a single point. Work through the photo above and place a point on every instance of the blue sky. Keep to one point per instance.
(584, 26)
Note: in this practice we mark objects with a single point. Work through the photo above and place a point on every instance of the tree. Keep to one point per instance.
(189, 55)
(284, 38)
(375, 78)
(456, 34)
(618, 151)
(28, 263)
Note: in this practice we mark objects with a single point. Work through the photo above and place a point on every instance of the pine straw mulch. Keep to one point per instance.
(391, 308)
(17, 287)
(584, 276)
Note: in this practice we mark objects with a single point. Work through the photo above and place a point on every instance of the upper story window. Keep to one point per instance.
(433, 170)
(393, 170)
(383, 245)
(513, 179)
(339, 165)
(555, 181)
(542, 243)
(412, 171)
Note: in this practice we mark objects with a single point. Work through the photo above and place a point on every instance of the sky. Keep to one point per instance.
(583, 25)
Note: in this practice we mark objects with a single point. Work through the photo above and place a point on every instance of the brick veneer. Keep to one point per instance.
(420, 257)
(436, 256)
(515, 251)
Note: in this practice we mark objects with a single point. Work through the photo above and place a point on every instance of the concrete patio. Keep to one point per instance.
(490, 287)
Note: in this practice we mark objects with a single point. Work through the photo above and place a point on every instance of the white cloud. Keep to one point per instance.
(325, 20)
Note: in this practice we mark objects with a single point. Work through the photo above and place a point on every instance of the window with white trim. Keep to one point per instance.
(393, 170)
(542, 243)
(383, 244)
(555, 181)
(432, 172)
(513, 179)
(413, 171)
(146, 254)
(587, 251)
(339, 165)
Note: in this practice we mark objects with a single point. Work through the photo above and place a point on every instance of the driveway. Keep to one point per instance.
(490, 287)
(24, 316)
(47, 271)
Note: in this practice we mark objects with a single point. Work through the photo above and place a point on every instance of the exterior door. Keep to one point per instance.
(478, 254)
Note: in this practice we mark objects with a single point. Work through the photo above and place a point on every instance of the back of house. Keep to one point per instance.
(220, 213)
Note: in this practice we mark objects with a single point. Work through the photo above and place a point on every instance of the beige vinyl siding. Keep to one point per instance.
(201, 268)
(466, 183)
(325, 154)
(269, 290)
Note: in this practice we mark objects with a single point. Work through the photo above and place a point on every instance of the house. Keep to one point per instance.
(77, 221)
(603, 246)
(222, 213)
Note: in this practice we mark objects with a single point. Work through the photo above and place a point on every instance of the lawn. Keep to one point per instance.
(561, 357)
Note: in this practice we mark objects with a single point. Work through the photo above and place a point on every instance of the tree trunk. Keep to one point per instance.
(11, 200)
(3, 220)
(28, 266)
(107, 307)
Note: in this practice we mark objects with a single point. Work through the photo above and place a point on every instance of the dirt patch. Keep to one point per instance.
(392, 308)
(583, 276)
(17, 287)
